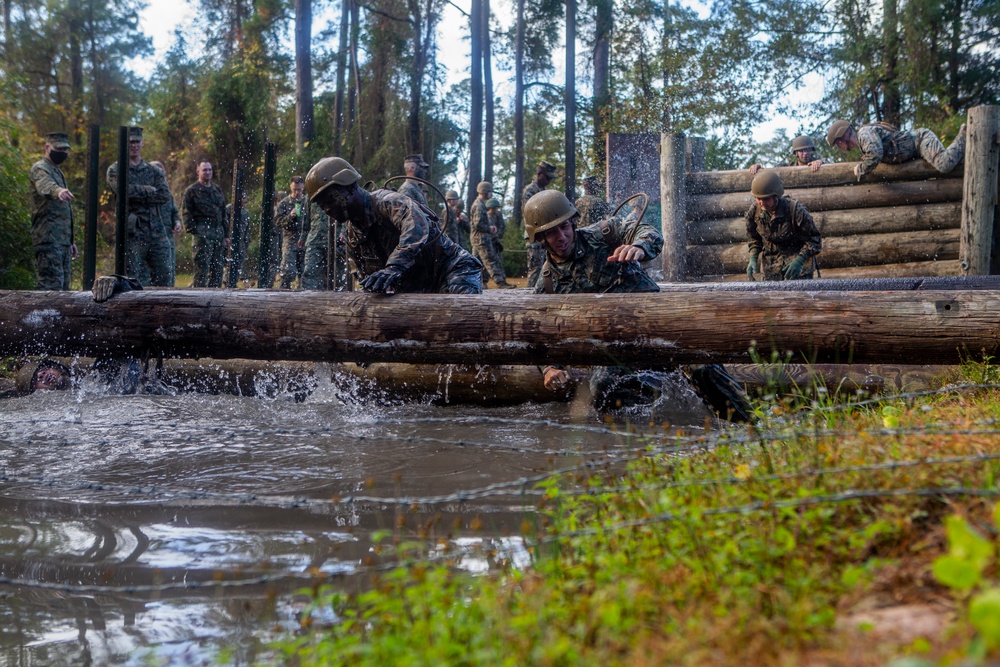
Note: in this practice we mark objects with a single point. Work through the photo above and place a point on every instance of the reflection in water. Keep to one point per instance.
(141, 526)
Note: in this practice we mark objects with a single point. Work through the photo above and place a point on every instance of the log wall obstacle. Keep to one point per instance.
(899, 220)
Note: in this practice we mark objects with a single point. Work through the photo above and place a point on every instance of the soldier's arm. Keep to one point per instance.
(812, 242)
(283, 214)
(43, 182)
(480, 219)
(755, 242)
(647, 237)
(413, 226)
(189, 210)
(871, 148)
(161, 194)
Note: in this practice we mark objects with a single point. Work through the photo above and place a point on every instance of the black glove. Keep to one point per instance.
(382, 280)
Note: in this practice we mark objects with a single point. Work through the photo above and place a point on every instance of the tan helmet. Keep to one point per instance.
(547, 209)
(484, 187)
(802, 143)
(837, 130)
(450, 194)
(766, 183)
(330, 171)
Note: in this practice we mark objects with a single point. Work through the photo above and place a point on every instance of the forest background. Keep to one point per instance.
(372, 85)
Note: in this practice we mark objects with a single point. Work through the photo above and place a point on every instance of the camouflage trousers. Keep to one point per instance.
(149, 260)
(773, 267)
(536, 258)
(209, 259)
(484, 246)
(314, 266)
(53, 264)
(172, 265)
(930, 148)
(291, 259)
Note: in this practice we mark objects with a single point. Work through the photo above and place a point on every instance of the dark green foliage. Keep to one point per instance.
(17, 270)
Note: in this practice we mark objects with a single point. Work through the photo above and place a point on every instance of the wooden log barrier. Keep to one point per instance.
(731, 205)
(840, 173)
(847, 222)
(666, 328)
(944, 269)
(862, 250)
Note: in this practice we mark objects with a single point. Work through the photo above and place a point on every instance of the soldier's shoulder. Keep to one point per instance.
(40, 167)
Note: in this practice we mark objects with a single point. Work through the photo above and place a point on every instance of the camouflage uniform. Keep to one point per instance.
(457, 227)
(317, 233)
(147, 258)
(51, 225)
(240, 242)
(401, 233)
(170, 216)
(882, 143)
(536, 254)
(484, 243)
(288, 218)
(781, 236)
(592, 210)
(413, 190)
(205, 217)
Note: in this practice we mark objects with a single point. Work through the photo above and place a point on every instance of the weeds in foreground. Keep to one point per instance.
(753, 545)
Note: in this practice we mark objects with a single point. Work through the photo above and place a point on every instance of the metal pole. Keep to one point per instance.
(90, 220)
(237, 253)
(121, 211)
(267, 214)
(569, 181)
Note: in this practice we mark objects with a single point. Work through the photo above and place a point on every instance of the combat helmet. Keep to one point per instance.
(492, 202)
(802, 143)
(484, 187)
(330, 171)
(837, 130)
(450, 194)
(546, 210)
(766, 183)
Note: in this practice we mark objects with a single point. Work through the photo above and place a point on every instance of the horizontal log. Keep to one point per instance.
(509, 327)
(872, 195)
(838, 173)
(871, 378)
(847, 222)
(925, 272)
(866, 250)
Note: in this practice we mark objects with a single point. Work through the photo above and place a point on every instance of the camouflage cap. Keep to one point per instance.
(135, 133)
(57, 139)
(417, 158)
(492, 202)
(545, 167)
(837, 130)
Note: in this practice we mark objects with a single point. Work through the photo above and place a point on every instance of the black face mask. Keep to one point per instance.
(58, 157)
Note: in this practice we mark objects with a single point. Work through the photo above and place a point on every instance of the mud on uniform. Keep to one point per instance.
(781, 236)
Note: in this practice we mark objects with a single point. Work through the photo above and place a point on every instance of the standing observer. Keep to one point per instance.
(52, 215)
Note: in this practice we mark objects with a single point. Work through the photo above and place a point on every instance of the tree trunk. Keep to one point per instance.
(602, 77)
(955, 57)
(304, 125)
(476, 103)
(570, 177)
(76, 69)
(97, 112)
(338, 105)
(488, 94)
(417, 19)
(518, 112)
(354, 90)
(890, 58)
(645, 330)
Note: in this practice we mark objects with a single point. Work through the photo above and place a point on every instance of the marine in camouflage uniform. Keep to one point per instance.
(317, 248)
(239, 242)
(457, 225)
(884, 143)
(781, 235)
(591, 206)
(205, 217)
(484, 234)
(414, 165)
(147, 258)
(170, 216)
(289, 218)
(803, 155)
(545, 173)
(52, 215)
(395, 243)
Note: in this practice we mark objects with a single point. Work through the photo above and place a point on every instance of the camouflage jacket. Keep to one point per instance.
(590, 271)
(51, 219)
(457, 226)
(880, 143)
(205, 209)
(530, 190)
(290, 215)
(479, 219)
(413, 190)
(169, 216)
(397, 231)
(496, 219)
(788, 232)
(147, 192)
(316, 229)
(592, 210)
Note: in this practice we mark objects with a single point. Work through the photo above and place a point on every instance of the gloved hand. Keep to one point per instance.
(753, 266)
(859, 170)
(106, 287)
(382, 280)
(794, 267)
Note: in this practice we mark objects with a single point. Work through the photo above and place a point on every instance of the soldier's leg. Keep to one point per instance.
(493, 262)
(314, 271)
(172, 262)
(933, 151)
(135, 259)
(201, 261)
(465, 276)
(217, 262)
(158, 257)
(49, 265)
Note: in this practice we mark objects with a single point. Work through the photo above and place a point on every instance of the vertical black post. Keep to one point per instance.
(331, 254)
(569, 181)
(121, 211)
(90, 220)
(237, 251)
(267, 214)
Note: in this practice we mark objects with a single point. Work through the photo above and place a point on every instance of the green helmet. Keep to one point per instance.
(484, 187)
(330, 171)
(802, 143)
(492, 202)
(837, 130)
(547, 209)
(767, 183)
(450, 194)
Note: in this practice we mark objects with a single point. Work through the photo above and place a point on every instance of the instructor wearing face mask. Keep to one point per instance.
(52, 215)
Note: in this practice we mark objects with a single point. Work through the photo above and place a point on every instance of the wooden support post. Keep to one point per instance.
(979, 196)
(93, 205)
(673, 177)
(696, 151)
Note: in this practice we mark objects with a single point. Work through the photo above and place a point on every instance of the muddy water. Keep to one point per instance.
(138, 529)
